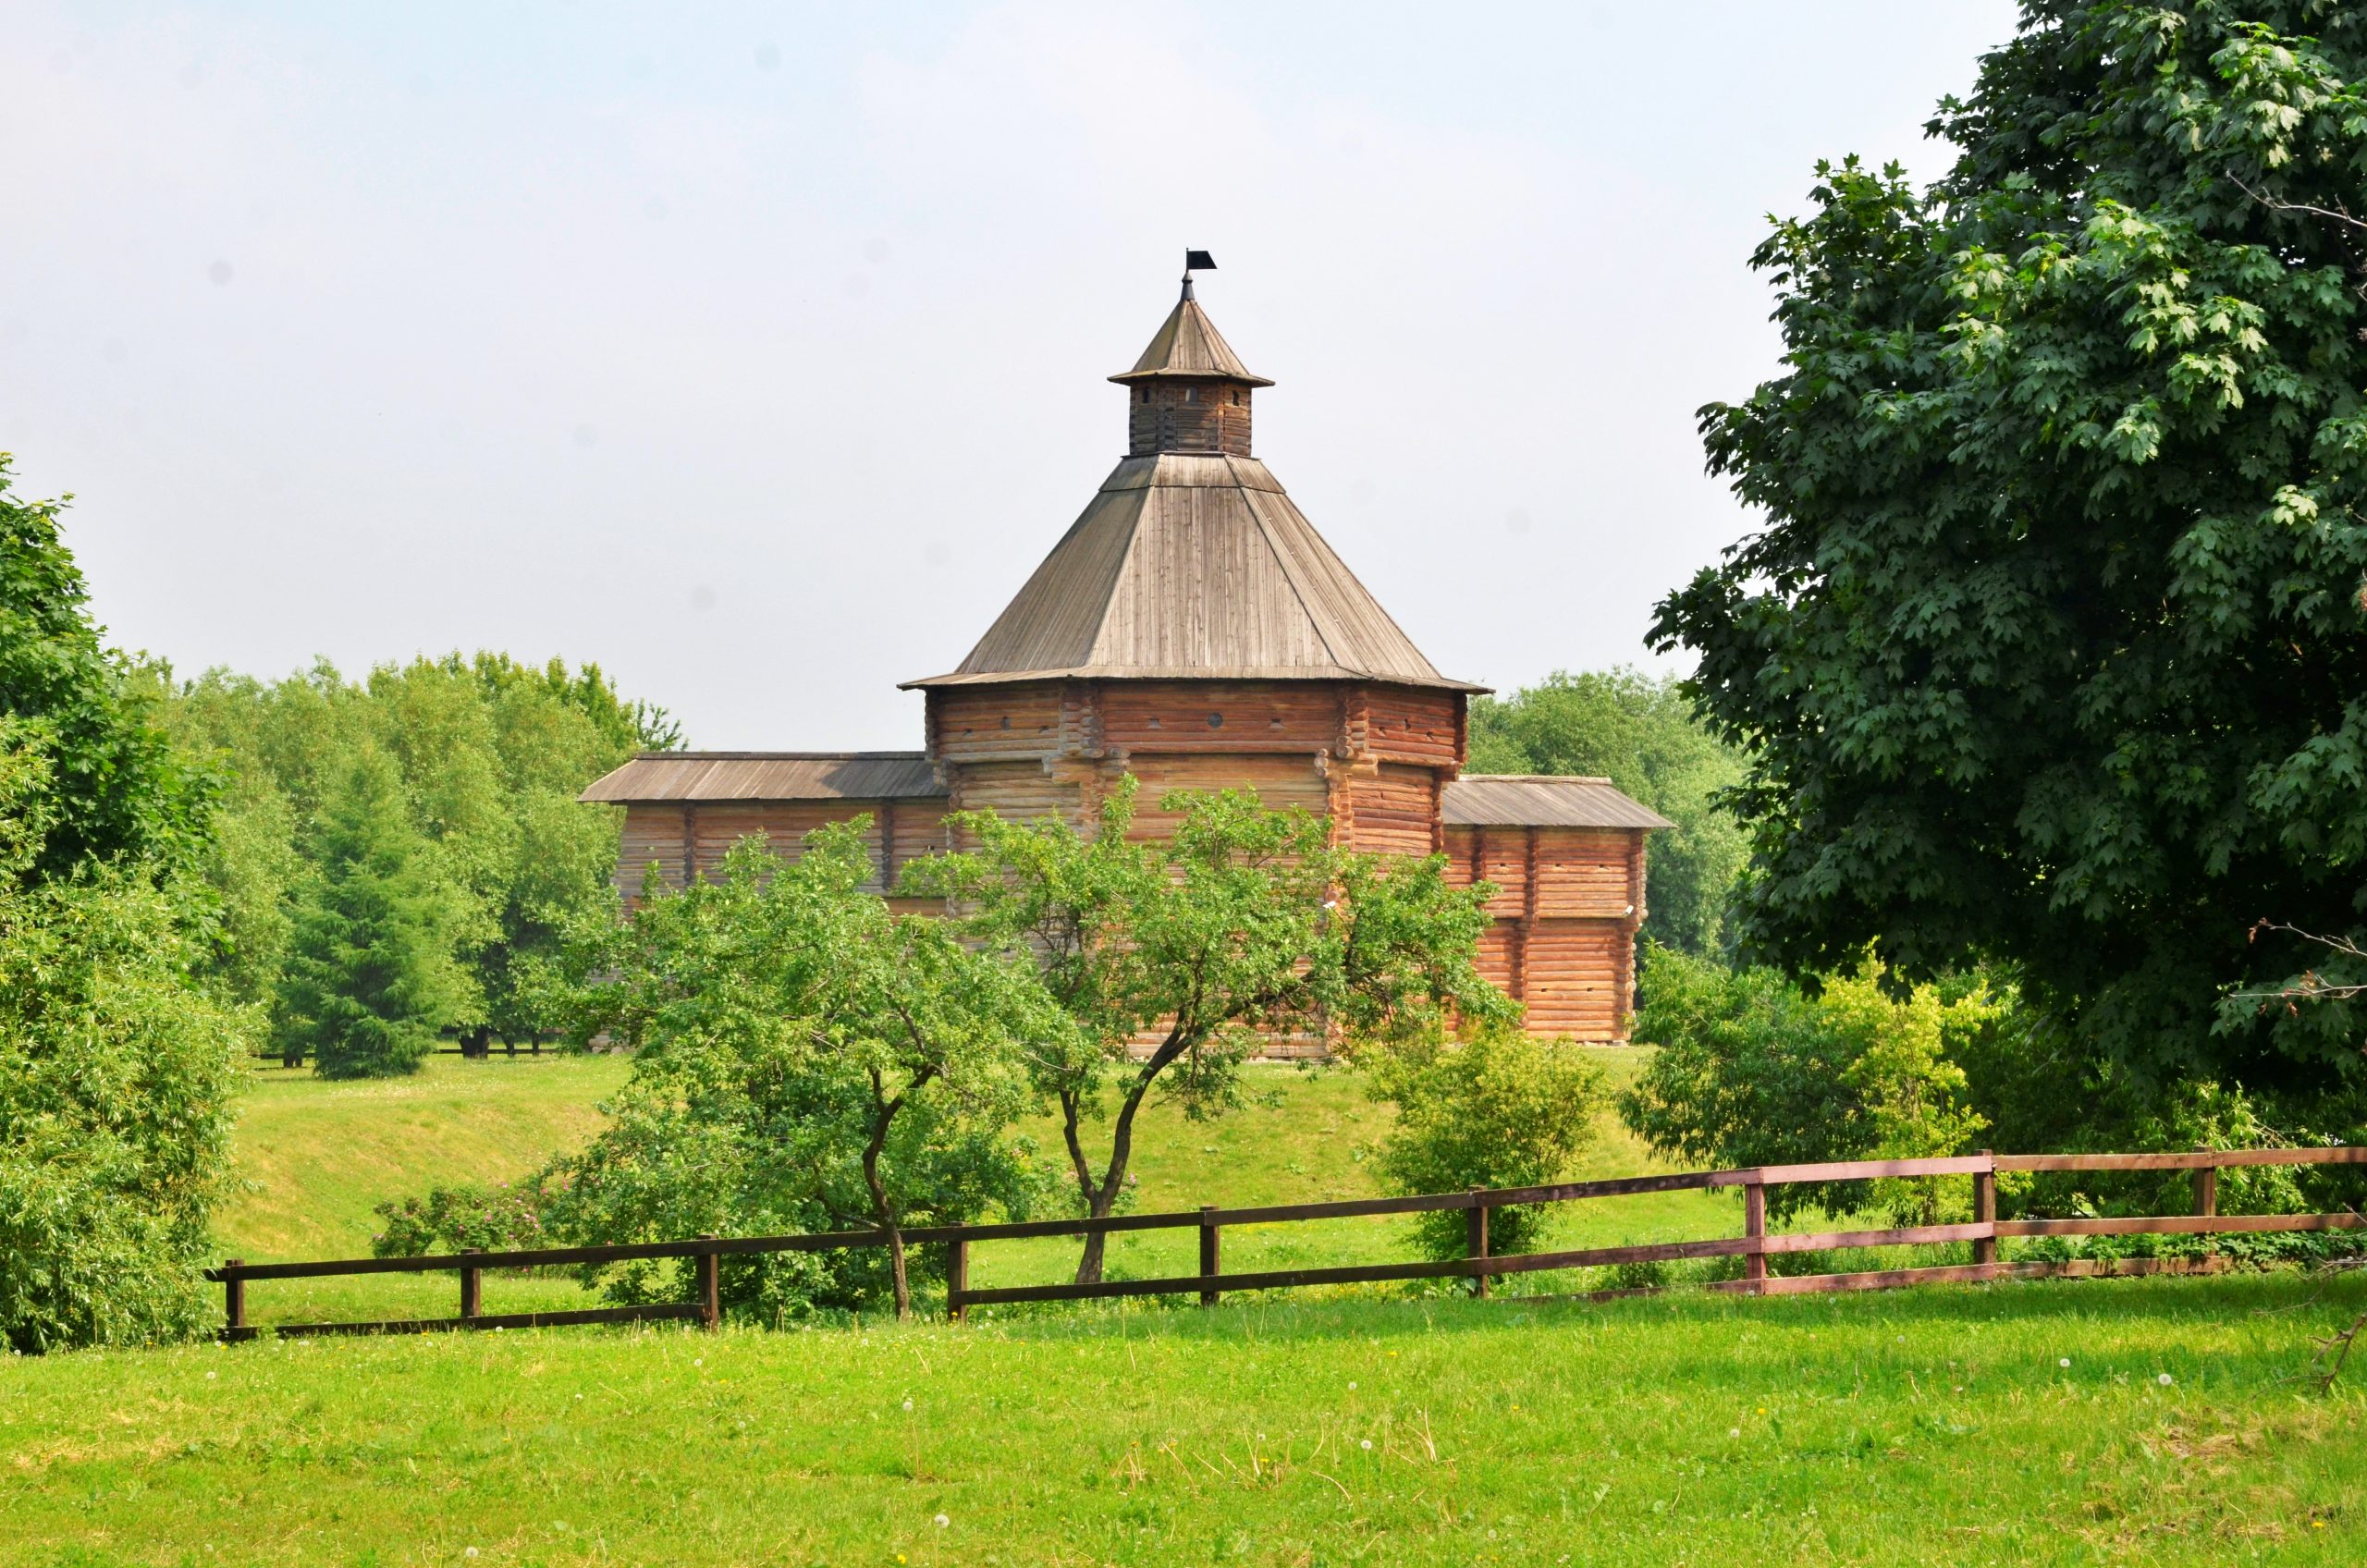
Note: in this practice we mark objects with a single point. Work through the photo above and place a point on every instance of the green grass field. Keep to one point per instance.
(2018, 1423)
(1933, 1427)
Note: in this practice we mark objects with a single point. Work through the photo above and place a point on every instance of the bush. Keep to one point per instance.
(1501, 1109)
(497, 1218)
(1752, 1071)
(114, 1083)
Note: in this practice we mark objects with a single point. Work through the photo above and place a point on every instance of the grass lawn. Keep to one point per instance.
(1932, 1426)
(313, 1157)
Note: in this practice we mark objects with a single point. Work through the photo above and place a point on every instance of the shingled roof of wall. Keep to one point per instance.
(1511, 799)
(768, 775)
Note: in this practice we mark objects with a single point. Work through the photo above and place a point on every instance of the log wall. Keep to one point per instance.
(1186, 416)
(1567, 905)
(680, 839)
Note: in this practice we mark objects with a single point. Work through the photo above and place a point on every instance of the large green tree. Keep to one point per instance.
(2051, 648)
(1170, 955)
(118, 789)
(370, 975)
(806, 1059)
(1640, 731)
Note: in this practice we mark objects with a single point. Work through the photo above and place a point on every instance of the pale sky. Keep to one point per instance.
(756, 353)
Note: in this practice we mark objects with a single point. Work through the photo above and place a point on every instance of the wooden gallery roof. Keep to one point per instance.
(700, 777)
(1534, 800)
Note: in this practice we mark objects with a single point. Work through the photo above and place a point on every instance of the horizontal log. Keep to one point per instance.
(1912, 1235)
(663, 1312)
(1967, 1273)
(2184, 1161)
(2179, 1224)
(1360, 1274)
(1872, 1169)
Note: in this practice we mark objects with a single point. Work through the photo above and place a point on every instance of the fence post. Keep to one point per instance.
(1211, 1254)
(234, 1302)
(1984, 1211)
(1754, 1228)
(1475, 1223)
(957, 1279)
(472, 1287)
(710, 1288)
(2206, 1185)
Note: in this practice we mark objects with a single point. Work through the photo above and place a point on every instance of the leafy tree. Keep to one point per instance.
(370, 976)
(1640, 731)
(1243, 920)
(115, 1086)
(1753, 1071)
(1500, 1109)
(806, 1059)
(2050, 651)
(121, 793)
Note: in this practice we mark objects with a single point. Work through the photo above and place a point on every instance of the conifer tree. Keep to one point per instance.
(371, 974)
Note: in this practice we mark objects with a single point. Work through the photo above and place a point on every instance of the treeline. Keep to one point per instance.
(395, 857)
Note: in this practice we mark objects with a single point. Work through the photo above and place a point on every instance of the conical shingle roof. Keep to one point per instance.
(1191, 567)
(1188, 343)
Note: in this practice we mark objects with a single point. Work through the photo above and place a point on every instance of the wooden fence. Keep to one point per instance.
(1754, 1246)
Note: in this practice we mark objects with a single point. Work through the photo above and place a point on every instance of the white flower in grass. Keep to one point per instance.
(908, 1404)
(2063, 1360)
(1366, 1444)
(2165, 1380)
(943, 1521)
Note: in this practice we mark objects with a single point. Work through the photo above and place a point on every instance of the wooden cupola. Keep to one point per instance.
(1189, 392)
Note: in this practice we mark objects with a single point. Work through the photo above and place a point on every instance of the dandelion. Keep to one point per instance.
(2165, 1380)
(1367, 1444)
(943, 1521)
(908, 1404)
(210, 1376)
(1352, 1387)
(2063, 1360)
(1734, 1431)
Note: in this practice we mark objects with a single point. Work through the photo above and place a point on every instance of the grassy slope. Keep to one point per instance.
(1933, 1427)
(316, 1157)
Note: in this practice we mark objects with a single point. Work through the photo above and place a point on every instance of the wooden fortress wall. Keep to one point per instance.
(1376, 759)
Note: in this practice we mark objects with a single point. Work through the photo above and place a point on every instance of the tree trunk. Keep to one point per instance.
(896, 1266)
(1102, 1198)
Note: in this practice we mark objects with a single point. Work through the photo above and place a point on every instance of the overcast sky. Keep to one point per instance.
(756, 353)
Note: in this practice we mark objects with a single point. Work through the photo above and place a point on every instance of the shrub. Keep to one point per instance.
(114, 1083)
(1752, 1071)
(1500, 1110)
(497, 1219)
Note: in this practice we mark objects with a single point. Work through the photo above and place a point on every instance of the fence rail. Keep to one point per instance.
(1754, 1245)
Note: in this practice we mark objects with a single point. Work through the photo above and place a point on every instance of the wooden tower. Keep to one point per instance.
(1194, 629)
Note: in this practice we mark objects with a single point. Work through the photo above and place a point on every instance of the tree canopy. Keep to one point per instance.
(1183, 947)
(120, 792)
(2050, 650)
(807, 1059)
(487, 755)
